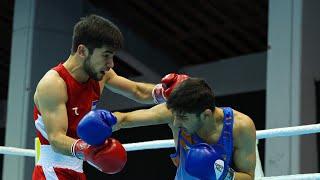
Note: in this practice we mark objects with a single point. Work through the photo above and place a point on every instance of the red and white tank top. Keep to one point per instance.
(82, 97)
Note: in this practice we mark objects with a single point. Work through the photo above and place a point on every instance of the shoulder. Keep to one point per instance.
(51, 86)
(243, 128)
(51, 80)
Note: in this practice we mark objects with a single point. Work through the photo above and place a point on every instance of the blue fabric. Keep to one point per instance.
(224, 146)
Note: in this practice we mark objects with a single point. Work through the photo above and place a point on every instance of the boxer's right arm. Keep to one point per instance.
(51, 98)
(158, 114)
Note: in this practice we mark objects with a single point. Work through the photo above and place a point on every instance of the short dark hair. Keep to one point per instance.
(94, 32)
(193, 95)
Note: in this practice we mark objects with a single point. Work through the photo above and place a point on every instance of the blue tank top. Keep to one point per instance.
(224, 146)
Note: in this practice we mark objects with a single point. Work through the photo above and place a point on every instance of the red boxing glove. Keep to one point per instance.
(171, 80)
(162, 91)
(109, 158)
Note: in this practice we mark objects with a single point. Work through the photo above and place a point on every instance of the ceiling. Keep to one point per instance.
(196, 31)
(190, 32)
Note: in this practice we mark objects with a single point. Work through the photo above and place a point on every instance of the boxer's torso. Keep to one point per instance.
(223, 145)
(82, 97)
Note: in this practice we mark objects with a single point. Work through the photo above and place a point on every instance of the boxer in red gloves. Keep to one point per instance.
(70, 90)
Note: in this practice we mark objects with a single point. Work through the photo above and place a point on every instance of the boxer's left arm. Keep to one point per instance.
(158, 114)
(244, 154)
(137, 91)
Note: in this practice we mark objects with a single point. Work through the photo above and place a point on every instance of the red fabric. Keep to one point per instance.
(81, 98)
(62, 174)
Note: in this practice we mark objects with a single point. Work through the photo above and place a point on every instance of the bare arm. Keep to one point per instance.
(245, 150)
(158, 114)
(137, 91)
(50, 98)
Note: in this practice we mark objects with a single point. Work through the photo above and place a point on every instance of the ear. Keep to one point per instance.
(206, 115)
(82, 51)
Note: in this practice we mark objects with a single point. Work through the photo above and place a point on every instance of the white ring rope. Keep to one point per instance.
(158, 144)
(288, 131)
(17, 151)
(168, 143)
(311, 176)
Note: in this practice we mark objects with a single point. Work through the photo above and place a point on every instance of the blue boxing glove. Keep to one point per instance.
(203, 162)
(96, 126)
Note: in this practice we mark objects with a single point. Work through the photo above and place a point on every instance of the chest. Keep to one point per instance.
(81, 100)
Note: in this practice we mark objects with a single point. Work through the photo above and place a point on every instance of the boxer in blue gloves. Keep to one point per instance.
(212, 143)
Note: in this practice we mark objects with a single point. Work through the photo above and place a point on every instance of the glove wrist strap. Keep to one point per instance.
(158, 94)
(78, 148)
(230, 175)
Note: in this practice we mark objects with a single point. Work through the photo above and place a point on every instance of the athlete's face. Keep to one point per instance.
(99, 62)
(189, 122)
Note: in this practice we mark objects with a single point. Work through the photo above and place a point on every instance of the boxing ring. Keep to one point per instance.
(158, 144)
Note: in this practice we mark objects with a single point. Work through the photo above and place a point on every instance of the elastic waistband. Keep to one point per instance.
(49, 158)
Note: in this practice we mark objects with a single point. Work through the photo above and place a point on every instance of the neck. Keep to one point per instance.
(74, 65)
(210, 126)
